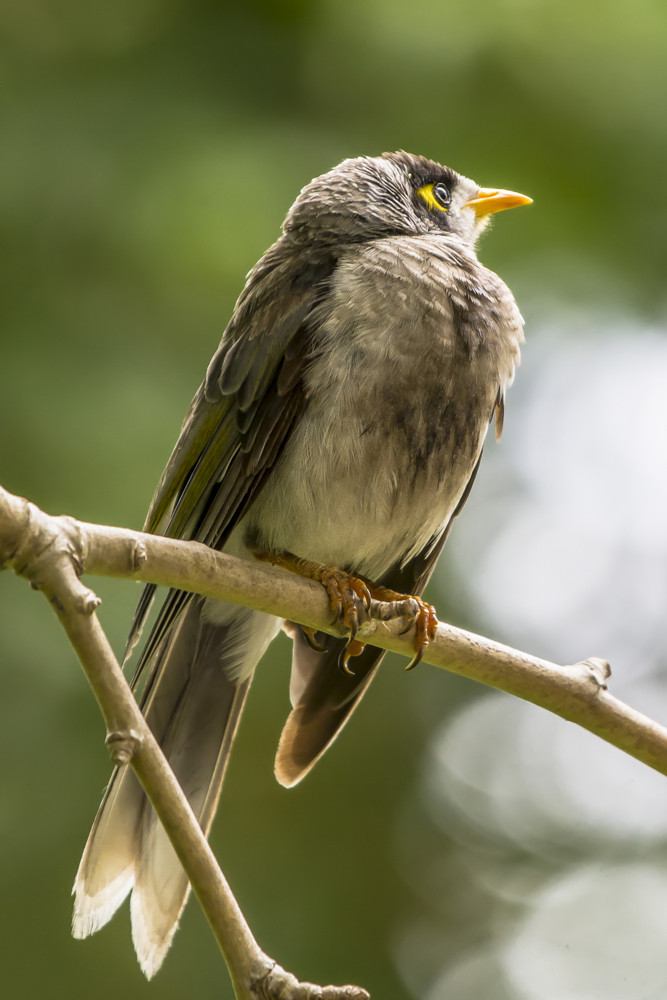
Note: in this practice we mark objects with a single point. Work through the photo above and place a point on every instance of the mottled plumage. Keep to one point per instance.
(341, 420)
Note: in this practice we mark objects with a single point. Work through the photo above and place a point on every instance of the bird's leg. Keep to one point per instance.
(425, 621)
(350, 599)
(349, 596)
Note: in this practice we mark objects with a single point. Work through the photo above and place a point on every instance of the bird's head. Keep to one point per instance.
(394, 194)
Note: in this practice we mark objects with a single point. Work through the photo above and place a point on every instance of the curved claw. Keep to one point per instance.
(426, 626)
(343, 660)
(365, 596)
(309, 635)
(417, 658)
(352, 648)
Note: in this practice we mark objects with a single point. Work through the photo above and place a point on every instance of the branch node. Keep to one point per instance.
(123, 745)
(87, 601)
(47, 547)
(139, 555)
(277, 984)
(596, 671)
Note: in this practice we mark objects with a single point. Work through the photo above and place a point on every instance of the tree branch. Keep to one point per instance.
(53, 552)
(576, 692)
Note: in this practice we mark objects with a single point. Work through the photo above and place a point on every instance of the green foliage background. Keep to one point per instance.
(149, 150)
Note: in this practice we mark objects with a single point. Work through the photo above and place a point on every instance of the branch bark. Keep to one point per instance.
(52, 552)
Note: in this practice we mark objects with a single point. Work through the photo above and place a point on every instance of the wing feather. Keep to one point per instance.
(239, 420)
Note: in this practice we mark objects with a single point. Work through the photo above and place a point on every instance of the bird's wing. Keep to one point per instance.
(323, 696)
(240, 418)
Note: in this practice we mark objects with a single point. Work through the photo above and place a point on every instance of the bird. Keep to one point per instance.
(337, 433)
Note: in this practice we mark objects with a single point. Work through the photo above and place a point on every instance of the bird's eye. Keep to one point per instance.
(436, 196)
(442, 195)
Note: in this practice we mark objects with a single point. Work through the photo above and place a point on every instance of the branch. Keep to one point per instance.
(53, 552)
(576, 692)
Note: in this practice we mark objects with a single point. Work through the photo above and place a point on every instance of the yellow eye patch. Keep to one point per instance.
(436, 196)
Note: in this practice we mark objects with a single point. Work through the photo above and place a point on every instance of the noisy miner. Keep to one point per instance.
(337, 433)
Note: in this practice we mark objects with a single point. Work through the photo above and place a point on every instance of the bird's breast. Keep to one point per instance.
(398, 403)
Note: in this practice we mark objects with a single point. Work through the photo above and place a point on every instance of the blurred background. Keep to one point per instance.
(456, 843)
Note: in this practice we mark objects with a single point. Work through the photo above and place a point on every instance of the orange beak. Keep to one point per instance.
(488, 200)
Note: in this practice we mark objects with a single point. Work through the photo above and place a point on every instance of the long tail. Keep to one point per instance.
(193, 704)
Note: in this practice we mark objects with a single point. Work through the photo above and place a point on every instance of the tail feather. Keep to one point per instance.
(193, 706)
(324, 698)
(101, 886)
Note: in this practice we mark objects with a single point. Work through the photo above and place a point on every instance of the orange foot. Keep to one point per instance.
(350, 599)
(425, 621)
